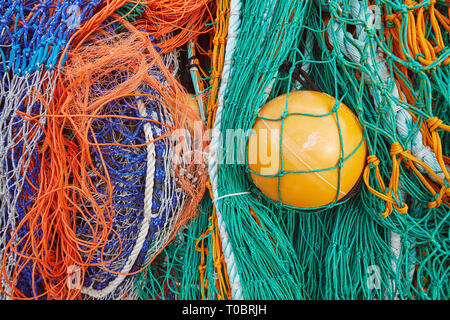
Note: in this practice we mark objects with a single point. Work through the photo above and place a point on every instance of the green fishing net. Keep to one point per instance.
(350, 251)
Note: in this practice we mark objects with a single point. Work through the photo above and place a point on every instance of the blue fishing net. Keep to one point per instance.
(33, 35)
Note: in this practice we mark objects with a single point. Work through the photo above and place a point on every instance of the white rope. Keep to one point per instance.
(233, 31)
(143, 232)
(231, 195)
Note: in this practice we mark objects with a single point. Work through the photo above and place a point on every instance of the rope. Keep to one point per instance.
(233, 31)
(148, 215)
(404, 121)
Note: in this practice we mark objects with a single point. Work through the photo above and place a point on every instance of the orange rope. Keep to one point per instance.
(420, 47)
(390, 195)
(217, 60)
(187, 17)
(218, 56)
(202, 266)
(222, 282)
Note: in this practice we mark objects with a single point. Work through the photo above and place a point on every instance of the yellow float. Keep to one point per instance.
(307, 145)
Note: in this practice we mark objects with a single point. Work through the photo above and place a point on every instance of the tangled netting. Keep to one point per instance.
(100, 198)
(32, 37)
(143, 178)
(111, 193)
(391, 241)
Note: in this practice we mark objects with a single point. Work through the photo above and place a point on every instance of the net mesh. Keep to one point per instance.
(108, 153)
(388, 242)
(88, 181)
(32, 36)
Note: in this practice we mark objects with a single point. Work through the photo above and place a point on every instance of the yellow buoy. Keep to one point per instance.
(309, 144)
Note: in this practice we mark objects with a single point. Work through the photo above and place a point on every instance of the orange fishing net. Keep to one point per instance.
(102, 70)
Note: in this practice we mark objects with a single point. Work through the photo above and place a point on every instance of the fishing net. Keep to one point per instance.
(143, 178)
(371, 247)
(32, 36)
(103, 170)
(113, 161)
(204, 274)
(174, 275)
(234, 203)
(399, 102)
